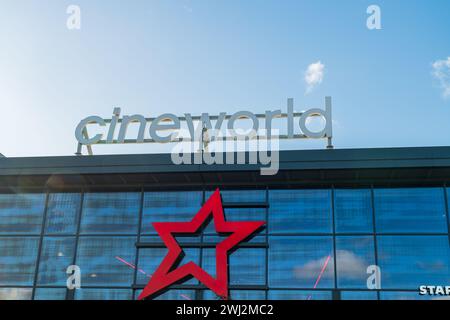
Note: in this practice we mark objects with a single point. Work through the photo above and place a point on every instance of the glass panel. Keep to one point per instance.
(358, 295)
(247, 295)
(300, 211)
(172, 295)
(237, 295)
(407, 262)
(110, 213)
(21, 213)
(354, 255)
(18, 260)
(410, 210)
(301, 262)
(240, 195)
(247, 266)
(299, 295)
(151, 258)
(353, 210)
(177, 295)
(56, 255)
(106, 261)
(406, 295)
(62, 213)
(240, 214)
(16, 293)
(103, 294)
(50, 294)
(169, 206)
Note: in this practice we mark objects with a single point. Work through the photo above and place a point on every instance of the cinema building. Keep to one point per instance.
(332, 217)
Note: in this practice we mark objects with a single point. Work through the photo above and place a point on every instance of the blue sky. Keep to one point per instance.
(152, 57)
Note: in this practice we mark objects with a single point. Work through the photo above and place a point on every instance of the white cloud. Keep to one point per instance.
(441, 71)
(350, 266)
(314, 75)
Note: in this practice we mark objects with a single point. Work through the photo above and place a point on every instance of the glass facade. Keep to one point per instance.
(317, 244)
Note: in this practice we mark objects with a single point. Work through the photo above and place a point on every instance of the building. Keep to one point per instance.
(366, 207)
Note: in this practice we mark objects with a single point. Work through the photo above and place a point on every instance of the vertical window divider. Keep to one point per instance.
(41, 240)
(199, 293)
(446, 211)
(267, 242)
(136, 258)
(70, 294)
(334, 245)
(374, 229)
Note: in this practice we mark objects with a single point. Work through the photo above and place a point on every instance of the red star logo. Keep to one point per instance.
(166, 275)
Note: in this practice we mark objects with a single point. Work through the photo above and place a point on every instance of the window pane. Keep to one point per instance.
(169, 206)
(247, 266)
(18, 260)
(240, 195)
(177, 295)
(50, 294)
(406, 295)
(16, 293)
(21, 213)
(56, 255)
(299, 261)
(353, 210)
(240, 214)
(410, 210)
(237, 295)
(62, 213)
(407, 262)
(172, 294)
(354, 255)
(151, 258)
(300, 211)
(105, 261)
(110, 212)
(299, 295)
(103, 294)
(358, 295)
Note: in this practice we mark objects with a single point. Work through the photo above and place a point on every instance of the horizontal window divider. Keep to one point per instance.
(202, 287)
(264, 287)
(277, 234)
(358, 234)
(199, 245)
(247, 205)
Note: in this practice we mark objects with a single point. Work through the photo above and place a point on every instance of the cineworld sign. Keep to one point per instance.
(167, 127)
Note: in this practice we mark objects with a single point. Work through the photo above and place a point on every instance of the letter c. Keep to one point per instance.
(82, 126)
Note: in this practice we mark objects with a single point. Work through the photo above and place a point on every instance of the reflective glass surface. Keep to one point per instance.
(57, 254)
(419, 210)
(16, 293)
(303, 211)
(410, 261)
(110, 213)
(50, 294)
(354, 254)
(21, 213)
(105, 261)
(169, 206)
(292, 258)
(247, 265)
(353, 211)
(298, 261)
(299, 295)
(103, 294)
(18, 260)
(62, 213)
(237, 295)
(359, 295)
